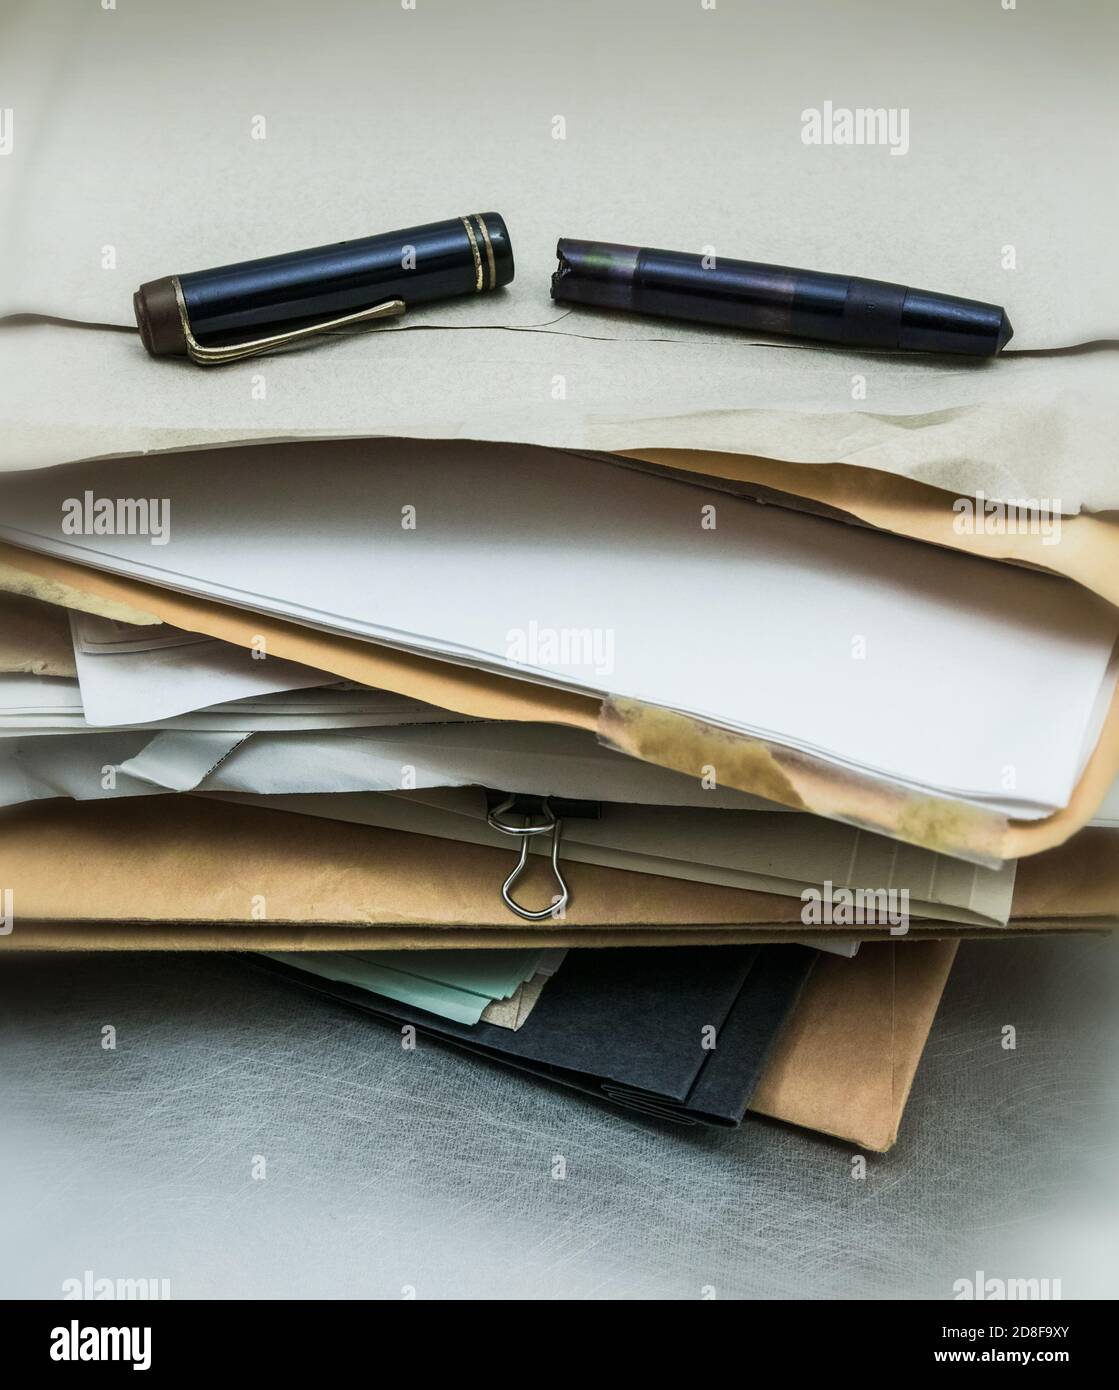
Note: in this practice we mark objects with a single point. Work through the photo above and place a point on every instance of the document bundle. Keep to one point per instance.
(574, 761)
(652, 708)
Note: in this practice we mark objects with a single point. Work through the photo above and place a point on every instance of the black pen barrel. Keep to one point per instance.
(775, 299)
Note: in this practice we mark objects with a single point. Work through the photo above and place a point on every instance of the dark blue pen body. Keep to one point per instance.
(418, 265)
(740, 294)
(776, 299)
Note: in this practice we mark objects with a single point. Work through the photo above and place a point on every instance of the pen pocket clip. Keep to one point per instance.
(234, 352)
(540, 817)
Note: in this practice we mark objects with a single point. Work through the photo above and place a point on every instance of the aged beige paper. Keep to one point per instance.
(118, 173)
(34, 637)
(1024, 428)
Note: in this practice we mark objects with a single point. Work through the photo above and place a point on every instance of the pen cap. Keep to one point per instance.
(290, 293)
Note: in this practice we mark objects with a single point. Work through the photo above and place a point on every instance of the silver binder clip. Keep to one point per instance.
(549, 823)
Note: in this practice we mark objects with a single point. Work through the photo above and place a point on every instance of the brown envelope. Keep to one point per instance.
(845, 1062)
(189, 859)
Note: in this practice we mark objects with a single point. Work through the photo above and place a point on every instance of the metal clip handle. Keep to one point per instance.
(233, 352)
(553, 825)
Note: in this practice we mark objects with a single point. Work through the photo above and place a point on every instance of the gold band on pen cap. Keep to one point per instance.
(484, 233)
(473, 240)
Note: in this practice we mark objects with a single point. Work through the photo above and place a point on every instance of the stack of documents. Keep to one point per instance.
(641, 705)
(408, 767)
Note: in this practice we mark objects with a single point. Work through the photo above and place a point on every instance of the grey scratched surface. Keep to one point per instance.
(387, 1169)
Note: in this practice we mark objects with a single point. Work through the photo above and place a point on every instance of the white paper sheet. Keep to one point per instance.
(179, 761)
(135, 675)
(933, 669)
(53, 705)
(538, 759)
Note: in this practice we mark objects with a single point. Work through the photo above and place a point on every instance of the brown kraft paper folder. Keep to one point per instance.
(185, 871)
(845, 1062)
(655, 735)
